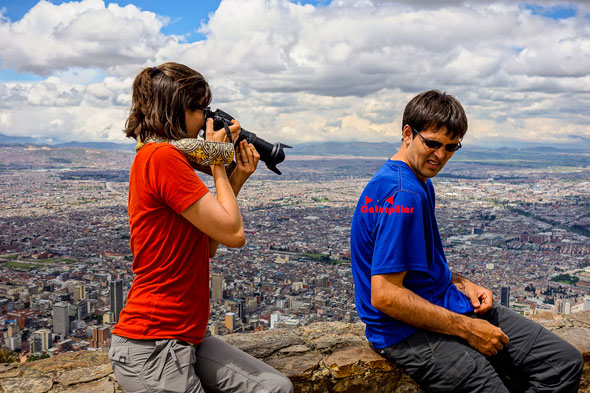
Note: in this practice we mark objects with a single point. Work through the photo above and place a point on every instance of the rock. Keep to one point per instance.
(104, 385)
(86, 374)
(29, 385)
(294, 349)
(355, 360)
(261, 344)
(322, 357)
(299, 367)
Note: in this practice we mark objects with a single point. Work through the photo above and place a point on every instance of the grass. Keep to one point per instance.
(19, 265)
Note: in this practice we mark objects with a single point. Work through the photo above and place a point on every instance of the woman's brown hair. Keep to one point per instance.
(160, 97)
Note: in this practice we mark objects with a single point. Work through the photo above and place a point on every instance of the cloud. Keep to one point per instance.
(299, 73)
(80, 34)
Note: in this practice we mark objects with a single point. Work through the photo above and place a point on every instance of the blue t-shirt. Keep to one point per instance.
(394, 230)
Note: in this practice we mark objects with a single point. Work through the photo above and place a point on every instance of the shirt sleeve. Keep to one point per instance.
(399, 236)
(173, 180)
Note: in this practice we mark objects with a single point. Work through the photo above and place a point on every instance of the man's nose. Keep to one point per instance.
(440, 153)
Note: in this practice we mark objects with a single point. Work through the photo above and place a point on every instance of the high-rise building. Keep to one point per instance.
(83, 310)
(61, 320)
(230, 321)
(79, 292)
(14, 343)
(217, 286)
(41, 341)
(505, 297)
(116, 295)
(100, 334)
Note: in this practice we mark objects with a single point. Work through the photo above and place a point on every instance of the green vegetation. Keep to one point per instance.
(565, 278)
(325, 258)
(7, 356)
(9, 256)
(32, 358)
(321, 200)
(19, 265)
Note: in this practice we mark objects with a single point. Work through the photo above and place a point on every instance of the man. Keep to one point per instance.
(442, 328)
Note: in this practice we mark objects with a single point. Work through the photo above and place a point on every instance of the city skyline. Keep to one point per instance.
(66, 264)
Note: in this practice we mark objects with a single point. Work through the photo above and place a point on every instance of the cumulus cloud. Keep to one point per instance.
(80, 34)
(300, 73)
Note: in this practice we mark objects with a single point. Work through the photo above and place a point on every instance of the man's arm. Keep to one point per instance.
(389, 296)
(480, 297)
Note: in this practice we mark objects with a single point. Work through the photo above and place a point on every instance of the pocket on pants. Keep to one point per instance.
(462, 367)
(124, 369)
(170, 368)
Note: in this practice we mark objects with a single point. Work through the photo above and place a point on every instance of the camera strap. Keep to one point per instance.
(200, 154)
(228, 133)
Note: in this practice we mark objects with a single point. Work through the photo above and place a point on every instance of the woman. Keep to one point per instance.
(160, 343)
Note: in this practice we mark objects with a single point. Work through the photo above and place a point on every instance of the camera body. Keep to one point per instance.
(271, 154)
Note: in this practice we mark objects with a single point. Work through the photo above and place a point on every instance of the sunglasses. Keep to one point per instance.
(451, 147)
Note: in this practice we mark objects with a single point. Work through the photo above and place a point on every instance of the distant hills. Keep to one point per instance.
(358, 149)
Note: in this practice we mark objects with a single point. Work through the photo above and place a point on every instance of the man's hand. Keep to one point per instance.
(485, 337)
(481, 298)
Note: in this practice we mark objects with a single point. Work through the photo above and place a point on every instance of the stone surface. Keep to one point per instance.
(29, 385)
(322, 357)
(104, 385)
(86, 374)
(261, 344)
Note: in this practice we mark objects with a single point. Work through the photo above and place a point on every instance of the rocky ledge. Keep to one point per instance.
(322, 357)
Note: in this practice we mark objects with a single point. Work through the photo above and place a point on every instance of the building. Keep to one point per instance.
(82, 312)
(61, 320)
(116, 297)
(14, 343)
(100, 334)
(505, 297)
(216, 286)
(40, 341)
(230, 321)
(242, 310)
(80, 292)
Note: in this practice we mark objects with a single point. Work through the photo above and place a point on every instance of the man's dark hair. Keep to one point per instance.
(160, 97)
(433, 109)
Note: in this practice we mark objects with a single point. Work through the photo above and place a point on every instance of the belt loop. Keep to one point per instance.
(163, 358)
(167, 349)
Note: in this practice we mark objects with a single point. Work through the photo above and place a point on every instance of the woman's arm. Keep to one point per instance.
(246, 159)
(218, 217)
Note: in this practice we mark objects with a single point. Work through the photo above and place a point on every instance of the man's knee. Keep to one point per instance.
(577, 366)
(280, 384)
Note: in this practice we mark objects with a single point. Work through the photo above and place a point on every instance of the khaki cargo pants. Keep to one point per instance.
(176, 366)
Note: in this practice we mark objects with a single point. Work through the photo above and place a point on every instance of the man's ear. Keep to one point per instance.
(406, 134)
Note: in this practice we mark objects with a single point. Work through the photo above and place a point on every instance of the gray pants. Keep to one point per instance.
(176, 366)
(535, 359)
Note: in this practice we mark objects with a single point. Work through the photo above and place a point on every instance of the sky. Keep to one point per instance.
(302, 71)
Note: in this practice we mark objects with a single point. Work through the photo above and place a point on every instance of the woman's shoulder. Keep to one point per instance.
(160, 151)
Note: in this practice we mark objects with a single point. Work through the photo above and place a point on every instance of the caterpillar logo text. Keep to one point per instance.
(385, 209)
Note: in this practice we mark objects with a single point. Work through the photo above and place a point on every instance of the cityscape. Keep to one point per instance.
(516, 222)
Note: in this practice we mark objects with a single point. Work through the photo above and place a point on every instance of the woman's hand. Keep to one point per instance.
(246, 161)
(220, 135)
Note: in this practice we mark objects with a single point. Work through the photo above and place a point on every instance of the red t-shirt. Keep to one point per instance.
(169, 297)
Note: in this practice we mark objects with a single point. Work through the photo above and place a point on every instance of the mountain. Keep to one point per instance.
(360, 149)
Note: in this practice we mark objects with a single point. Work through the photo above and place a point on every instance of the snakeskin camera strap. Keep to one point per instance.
(200, 153)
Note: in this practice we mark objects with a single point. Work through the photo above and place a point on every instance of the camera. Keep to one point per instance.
(271, 154)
